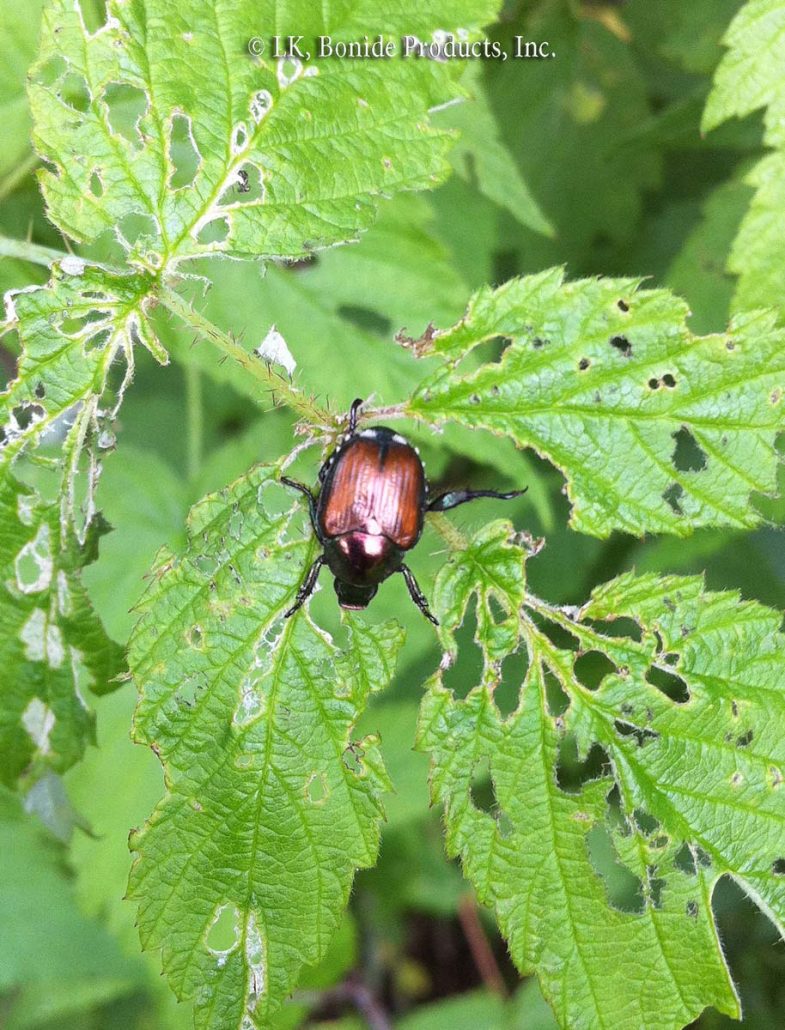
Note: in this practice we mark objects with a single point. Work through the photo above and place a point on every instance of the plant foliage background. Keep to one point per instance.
(587, 758)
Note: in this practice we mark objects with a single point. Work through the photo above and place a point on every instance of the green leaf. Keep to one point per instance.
(52, 644)
(481, 155)
(53, 960)
(751, 75)
(244, 868)
(321, 141)
(683, 704)
(18, 38)
(758, 253)
(655, 430)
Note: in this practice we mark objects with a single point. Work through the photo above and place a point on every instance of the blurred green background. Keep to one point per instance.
(606, 137)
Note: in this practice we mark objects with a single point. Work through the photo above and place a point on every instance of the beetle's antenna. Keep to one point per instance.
(353, 415)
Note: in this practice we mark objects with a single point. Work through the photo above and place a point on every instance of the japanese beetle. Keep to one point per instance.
(370, 511)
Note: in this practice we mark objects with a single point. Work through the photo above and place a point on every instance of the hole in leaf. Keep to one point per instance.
(40, 390)
(692, 909)
(137, 226)
(466, 670)
(687, 454)
(96, 185)
(317, 788)
(125, 107)
(183, 153)
(684, 861)
(366, 319)
(94, 14)
(642, 735)
(672, 495)
(74, 92)
(745, 739)
(26, 414)
(214, 231)
(572, 771)
(507, 694)
(223, 935)
(592, 667)
(74, 326)
(481, 788)
(645, 822)
(656, 886)
(670, 684)
(778, 867)
(556, 697)
(97, 340)
(52, 70)
(195, 637)
(622, 345)
(624, 889)
(621, 627)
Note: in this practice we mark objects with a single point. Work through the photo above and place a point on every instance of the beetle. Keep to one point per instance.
(370, 511)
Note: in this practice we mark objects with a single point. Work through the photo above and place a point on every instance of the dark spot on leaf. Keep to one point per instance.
(622, 345)
(734, 707)
(583, 364)
(669, 380)
(474, 399)
(692, 909)
(671, 658)
(40, 390)
(737, 779)
(653, 383)
(672, 495)
(538, 342)
(776, 396)
(671, 685)
(622, 305)
(495, 391)
(745, 739)
(627, 708)
(669, 604)
(688, 456)
(730, 345)
(598, 397)
(778, 867)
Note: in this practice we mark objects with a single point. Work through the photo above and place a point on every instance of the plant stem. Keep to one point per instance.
(17, 174)
(194, 412)
(282, 389)
(450, 533)
(32, 252)
(482, 953)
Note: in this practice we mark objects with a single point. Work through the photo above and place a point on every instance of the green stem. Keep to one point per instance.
(23, 250)
(195, 422)
(282, 389)
(450, 533)
(17, 175)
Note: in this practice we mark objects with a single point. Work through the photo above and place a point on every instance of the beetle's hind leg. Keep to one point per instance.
(417, 595)
(452, 498)
(307, 493)
(307, 587)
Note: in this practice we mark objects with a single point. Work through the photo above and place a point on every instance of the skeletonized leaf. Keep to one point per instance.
(654, 429)
(186, 140)
(690, 789)
(245, 866)
(52, 644)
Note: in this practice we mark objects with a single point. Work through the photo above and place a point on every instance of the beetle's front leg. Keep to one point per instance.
(308, 495)
(452, 498)
(307, 587)
(417, 595)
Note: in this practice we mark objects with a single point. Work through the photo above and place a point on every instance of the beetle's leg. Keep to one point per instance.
(353, 416)
(307, 587)
(416, 594)
(309, 496)
(452, 498)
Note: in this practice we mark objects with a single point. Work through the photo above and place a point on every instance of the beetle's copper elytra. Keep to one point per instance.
(369, 511)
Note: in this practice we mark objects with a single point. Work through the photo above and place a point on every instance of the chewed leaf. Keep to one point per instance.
(244, 868)
(676, 689)
(287, 156)
(655, 430)
(72, 331)
(492, 566)
(52, 646)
